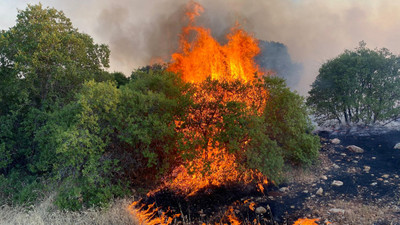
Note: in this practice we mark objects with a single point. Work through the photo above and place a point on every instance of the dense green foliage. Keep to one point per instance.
(360, 86)
(145, 123)
(287, 122)
(44, 62)
(66, 125)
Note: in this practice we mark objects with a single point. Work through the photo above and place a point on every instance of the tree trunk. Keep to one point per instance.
(345, 117)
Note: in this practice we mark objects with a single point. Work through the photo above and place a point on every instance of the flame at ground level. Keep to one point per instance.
(150, 215)
(305, 221)
(215, 167)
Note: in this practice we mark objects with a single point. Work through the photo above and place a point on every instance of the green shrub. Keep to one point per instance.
(287, 123)
(145, 134)
(20, 188)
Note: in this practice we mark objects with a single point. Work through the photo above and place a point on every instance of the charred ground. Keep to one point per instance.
(366, 197)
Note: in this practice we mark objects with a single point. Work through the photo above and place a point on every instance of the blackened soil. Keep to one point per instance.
(205, 203)
(365, 192)
(366, 196)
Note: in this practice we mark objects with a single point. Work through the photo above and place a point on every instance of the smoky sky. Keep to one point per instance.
(140, 32)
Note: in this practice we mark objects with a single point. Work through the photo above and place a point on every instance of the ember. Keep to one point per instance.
(306, 221)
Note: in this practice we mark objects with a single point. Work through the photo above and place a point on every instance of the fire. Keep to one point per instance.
(221, 169)
(199, 59)
(306, 221)
(220, 74)
(148, 215)
(204, 57)
(211, 162)
(233, 220)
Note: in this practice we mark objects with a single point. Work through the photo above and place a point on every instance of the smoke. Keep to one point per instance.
(274, 56)
(313, 30)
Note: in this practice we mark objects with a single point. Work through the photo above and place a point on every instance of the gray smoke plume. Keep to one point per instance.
(313, 30)
(275, 56)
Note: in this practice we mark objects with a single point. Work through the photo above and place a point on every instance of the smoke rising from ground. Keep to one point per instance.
(313, 30)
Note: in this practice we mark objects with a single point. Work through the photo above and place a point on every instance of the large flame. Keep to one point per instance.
(204, 57)
(232, 65)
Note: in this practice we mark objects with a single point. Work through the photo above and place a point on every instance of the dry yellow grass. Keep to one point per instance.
(45, 213)
(355, 212)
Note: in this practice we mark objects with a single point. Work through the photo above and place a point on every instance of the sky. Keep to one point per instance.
(314, 31)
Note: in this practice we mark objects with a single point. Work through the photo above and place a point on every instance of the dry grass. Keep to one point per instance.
(45, 213)
(356, 213)
(309, 175)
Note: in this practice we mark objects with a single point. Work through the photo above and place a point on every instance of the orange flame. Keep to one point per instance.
(233, 220)
(252, 206)
(306, 221)
(212, 163)
(204, 57)
(197, 60)
(150, 215)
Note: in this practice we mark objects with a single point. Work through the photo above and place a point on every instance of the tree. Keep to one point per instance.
(47, 56)
(120, 78)
(83, 164)
(112, 137)
(360, 86)
(44, 61)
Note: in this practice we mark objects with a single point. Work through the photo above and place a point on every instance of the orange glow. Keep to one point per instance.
(252, 206)
(204, 57)
(148, 215)
(210, 162)
(306, 221)
(214, 165)
(233, 220)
